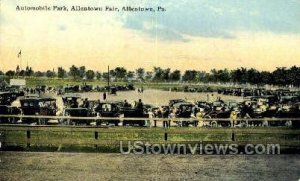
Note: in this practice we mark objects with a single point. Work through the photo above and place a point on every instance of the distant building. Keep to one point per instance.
(17, 82)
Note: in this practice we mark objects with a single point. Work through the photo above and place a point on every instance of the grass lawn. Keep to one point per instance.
(80, 138)
(57, 82)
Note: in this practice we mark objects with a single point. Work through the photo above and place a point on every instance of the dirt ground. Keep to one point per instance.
(91, 166)
(159, 97)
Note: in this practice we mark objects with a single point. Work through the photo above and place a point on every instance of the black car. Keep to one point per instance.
(9, 110)
(71, 89)
(38, 106)
(184, 110)
(6, 98)
(109, 109)
(135, 113)
(174, 101)
(71, 100)
(113, 90)
(76, 112)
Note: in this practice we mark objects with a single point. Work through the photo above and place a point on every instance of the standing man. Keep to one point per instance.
(104, 96)
(233, 117)
(199, 116)
(140, 105)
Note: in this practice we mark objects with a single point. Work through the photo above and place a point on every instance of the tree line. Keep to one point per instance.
(280, 76)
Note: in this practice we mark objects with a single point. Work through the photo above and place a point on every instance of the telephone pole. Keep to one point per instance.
(108, 76)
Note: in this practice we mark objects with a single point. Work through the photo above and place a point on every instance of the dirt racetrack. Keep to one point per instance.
(90, 166)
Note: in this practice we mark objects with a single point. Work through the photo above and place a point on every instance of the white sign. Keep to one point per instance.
(17, 82)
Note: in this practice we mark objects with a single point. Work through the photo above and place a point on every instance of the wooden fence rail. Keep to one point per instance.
(60, 136)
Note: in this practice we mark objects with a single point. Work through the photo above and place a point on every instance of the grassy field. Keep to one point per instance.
(108, 139)
(57, 82)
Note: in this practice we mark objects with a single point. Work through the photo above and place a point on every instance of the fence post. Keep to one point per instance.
(2, 139)
(28, 134)
(166, 136)
(232, 136)
(28, 138)
(96, 135)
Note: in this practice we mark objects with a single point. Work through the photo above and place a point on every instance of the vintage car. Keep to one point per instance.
(76, 112)
(205, 106)
(271, 99)
(230, 104)
(6, 98)
(113, 90)
(9, 110)
(86, 88)
(108, 109)
(135, 113)
(38, 106)
(288, 99)
(71, 100)
(219, 113)
(174, 101)
(287, 111)
(71, 89)
(130, 87)
(221, 110)
(184, 110)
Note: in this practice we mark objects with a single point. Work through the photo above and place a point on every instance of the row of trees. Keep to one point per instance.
(280, 76)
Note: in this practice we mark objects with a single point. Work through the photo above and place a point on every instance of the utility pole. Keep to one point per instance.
(108, 77)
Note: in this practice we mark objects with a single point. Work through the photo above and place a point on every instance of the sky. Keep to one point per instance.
(190, 34)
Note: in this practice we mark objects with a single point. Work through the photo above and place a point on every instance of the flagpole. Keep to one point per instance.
(20, 57)
(21, 61)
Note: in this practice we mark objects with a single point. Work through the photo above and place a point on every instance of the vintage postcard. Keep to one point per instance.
(149, 90)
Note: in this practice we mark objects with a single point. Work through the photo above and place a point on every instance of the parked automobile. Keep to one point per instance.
(38, 106)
